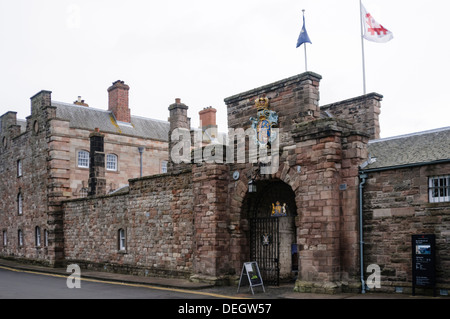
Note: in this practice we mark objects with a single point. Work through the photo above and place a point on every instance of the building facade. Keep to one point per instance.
(310, 192)
(46, 160)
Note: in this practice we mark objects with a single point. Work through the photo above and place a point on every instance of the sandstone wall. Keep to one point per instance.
(157, 216)
(395, 207)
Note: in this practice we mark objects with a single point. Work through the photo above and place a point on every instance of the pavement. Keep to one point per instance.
(284, 291)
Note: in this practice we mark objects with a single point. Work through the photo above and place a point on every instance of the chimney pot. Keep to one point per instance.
(81, 102)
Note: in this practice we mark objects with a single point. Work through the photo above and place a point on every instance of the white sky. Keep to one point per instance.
(203, 51)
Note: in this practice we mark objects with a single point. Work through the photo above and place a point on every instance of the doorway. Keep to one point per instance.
(273, 235)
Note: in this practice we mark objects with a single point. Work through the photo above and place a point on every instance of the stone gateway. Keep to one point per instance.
(336, 199)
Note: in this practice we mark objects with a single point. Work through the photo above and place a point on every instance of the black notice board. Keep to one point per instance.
(424, 261)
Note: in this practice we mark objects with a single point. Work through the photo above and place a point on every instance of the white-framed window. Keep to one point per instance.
(164, 167)
(19, 168)
(20, 237)
(83, 159)
(5, 238)
(38, 236)
(19, 204)
(84, 191)
(122, 239)
(439, 189)
(111, 162)
(45, 238)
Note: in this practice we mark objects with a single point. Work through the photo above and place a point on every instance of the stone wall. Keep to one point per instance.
(48, 147)
(295, 100)
(40, 187)
(319, 159)
(157, 216)
(363, 112)
(395, 207)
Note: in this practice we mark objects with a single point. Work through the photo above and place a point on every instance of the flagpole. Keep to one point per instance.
(306, 58)
(362, 46)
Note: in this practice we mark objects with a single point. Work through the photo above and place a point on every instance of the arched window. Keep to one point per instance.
(122, 239)
(111, 162)
(19, 168)
(83, 159)
(5, 238)
(38, 236)
(19, 204)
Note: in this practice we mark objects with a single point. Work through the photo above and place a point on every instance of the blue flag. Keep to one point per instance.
(303, 38)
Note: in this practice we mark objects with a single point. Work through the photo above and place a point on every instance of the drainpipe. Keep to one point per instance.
(141, 150)
(361, 237)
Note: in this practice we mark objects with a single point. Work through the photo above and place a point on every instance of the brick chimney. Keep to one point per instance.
(208, 123)
(208, 117)
(118, 101)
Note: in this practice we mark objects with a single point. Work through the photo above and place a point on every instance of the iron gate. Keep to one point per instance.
(265, 248)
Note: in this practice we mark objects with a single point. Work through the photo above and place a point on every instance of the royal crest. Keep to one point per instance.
(264, 122)
(279, 210)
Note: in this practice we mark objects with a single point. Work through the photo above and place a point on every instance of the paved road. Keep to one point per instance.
(29, 285)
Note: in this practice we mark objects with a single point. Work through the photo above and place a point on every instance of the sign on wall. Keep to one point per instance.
(424, 262)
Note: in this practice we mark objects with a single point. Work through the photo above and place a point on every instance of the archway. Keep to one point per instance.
(273, 237)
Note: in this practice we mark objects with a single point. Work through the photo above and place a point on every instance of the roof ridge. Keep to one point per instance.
(105, 111)
(447, 128)
(79, 106)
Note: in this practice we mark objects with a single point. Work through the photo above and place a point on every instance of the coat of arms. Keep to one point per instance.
(279, 210)
(264, 123)
(266, 239)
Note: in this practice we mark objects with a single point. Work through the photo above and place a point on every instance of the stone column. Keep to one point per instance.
(178, 121)
(211, 235)
(97, 180)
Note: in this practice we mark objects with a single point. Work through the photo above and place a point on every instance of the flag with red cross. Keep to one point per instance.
(372, 30)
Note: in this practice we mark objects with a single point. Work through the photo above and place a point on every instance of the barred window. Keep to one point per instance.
(164, 167)
(5, 238)
(20, 237)
(19, 168)
(111, 162)
(83, 159)
(122, 240)
(38, 236)
(439, 189)
(19, 204)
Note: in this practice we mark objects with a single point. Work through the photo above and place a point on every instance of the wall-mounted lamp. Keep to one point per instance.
(252, 186)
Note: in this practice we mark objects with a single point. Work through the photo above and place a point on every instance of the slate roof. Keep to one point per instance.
(90, 118)
(422, 147)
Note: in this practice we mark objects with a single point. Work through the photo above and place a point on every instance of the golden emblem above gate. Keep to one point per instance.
(279, 210)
